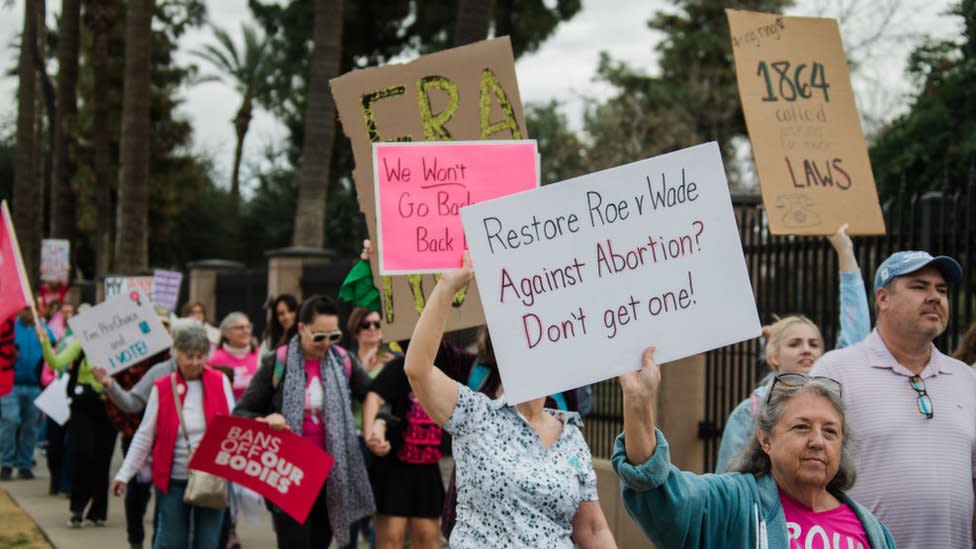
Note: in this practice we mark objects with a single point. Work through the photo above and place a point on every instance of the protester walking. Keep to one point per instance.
(305, 387)
(525, 475)
(237, 353)
(787, 489)
(911, 407)
(18, 415)
(180, 407)
(281, 323)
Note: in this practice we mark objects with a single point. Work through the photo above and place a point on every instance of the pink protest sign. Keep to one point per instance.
(421, 187)
(279, 465)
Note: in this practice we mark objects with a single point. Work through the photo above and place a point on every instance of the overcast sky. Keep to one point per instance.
(562, 69)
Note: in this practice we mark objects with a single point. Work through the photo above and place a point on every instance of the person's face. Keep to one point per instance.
(191, 364)
(916, 303)
(805, 445)
(318, 336)
(197, 313)
(239, 334)
(286, 317)
(26, 316)
(67, 310)
(798, 349)
(370, 331)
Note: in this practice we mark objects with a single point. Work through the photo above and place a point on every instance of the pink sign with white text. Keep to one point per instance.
(421, 187)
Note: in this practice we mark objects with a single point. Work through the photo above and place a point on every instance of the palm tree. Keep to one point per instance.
(132, 210)
(26, 189)
(320, 125)
(473, 21)
(246, 69)
(62, 170)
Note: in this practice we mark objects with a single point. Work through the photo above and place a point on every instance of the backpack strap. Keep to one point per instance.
(346, 359)
(281, 354)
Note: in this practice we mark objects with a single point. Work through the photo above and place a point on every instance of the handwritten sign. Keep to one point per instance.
(166, 288)
(421, 188)
(120, 332)
(812, 161)
(119, 285)
(279, 465)
(466, 93)
(55, 260)
(579, 277)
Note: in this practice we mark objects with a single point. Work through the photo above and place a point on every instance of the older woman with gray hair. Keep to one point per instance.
(198, 394)
(788, 487)
(237, 353)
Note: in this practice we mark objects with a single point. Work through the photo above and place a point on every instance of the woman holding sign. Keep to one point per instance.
(788, 490)
(524, 474)
(180, 407)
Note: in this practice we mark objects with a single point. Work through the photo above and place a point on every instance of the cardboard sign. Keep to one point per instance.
(466, 93)
(166, 288)
(118, 285)
(421, 188)
(279, 465)
(120, 332)
(54, 402)
(55, 260)
(578, 277)
(811, 158)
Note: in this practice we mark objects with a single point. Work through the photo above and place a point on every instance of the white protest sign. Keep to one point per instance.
(53, 400)
(120, 332)
(579, 277)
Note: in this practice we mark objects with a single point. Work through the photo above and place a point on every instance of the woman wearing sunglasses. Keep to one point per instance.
(787, 490)
(305, 387)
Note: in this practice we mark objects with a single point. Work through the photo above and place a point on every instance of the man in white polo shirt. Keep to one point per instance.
(911, 408)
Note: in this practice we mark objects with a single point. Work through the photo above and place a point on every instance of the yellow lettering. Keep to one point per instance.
(367, 101)
(388, 299)
(490, 87)
(416, 283)
(434, 129)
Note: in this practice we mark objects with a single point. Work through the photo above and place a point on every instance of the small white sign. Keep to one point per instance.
(577, 278)
(120, 332)
(54, 402)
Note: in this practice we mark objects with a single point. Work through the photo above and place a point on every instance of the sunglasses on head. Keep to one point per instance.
(319, 337)
(367, 324)
(794, 380)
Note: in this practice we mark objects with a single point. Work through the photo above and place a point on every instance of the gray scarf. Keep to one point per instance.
(349, 496)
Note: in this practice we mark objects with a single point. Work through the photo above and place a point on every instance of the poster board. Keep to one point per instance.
(55, 260)
(279, 465)
(811, 158)
(119, 285)
(421, 186)
(466, 93)
(120, 332)
(166, 288)
(578, 277)
(54, 401)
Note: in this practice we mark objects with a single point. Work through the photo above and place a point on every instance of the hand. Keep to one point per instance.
(276, 422)
(102, 377)
(118, 488)
(642, 386)
(840, 240)
(459, 278)
(376, 439)
(40, 331)
(367, 250)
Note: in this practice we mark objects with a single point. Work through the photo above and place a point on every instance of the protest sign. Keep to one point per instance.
(811, 158)
(166, 288)
(421, 187)
(120, 332)
(55, 260)
(54, 402)
(578, 277)
(279, 465)
(463, 93)
(14, 287)
(118, 285)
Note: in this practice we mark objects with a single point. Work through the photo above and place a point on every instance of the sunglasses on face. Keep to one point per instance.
(923, 399)
(794, 380)
(367, 324)
(319, 337)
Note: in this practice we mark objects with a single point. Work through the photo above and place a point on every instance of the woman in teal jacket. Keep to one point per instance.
(788, 488)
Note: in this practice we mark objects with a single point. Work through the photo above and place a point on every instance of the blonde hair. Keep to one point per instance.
(778, 330)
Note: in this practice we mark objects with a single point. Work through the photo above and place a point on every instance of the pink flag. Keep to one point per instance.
(14, 290)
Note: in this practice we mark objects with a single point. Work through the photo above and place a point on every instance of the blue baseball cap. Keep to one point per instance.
(909, 261)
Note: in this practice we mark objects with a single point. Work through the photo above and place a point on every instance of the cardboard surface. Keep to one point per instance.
(812, 161)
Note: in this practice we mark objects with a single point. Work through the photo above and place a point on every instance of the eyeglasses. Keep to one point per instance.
(924, 401)
(241, 327)
(794, 380)
(367, 324)
(319, 337)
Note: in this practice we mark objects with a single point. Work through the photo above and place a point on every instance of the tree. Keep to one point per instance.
(26, 190)
(132, 237)
(246, 69)
(473, 21)
(62, 195)
(320, 125)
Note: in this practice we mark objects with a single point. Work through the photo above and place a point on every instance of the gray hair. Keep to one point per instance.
(752, 459)
(191, 339)
(228, 322)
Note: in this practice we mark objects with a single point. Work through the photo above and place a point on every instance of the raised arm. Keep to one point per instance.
(855, 316)
(436, 392)
(640, 399)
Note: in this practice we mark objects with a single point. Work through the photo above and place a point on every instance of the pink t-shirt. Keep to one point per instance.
(244, 367)
(807, 529)
(313, 430)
